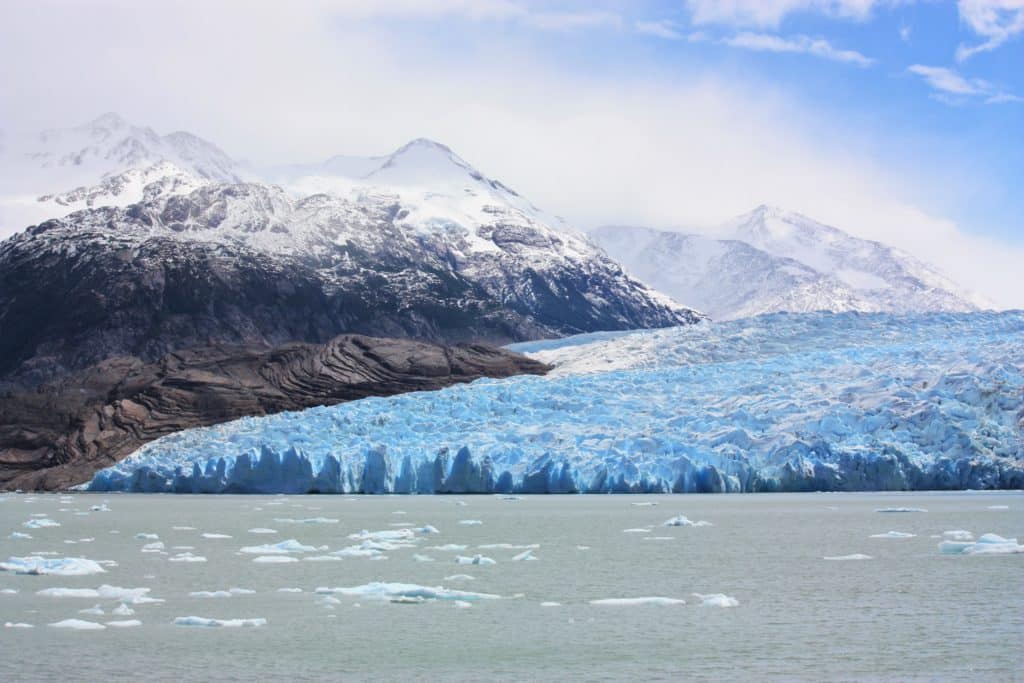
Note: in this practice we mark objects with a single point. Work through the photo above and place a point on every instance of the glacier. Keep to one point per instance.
(780, 402)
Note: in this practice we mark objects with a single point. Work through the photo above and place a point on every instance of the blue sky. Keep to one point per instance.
(895, 120)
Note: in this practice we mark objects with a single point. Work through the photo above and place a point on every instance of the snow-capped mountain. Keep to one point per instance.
(774, 260)
(105, 162)
(417, 243)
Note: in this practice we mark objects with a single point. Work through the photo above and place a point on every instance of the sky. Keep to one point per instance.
(895, 120)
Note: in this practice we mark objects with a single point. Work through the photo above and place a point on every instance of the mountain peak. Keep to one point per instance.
(109, 121)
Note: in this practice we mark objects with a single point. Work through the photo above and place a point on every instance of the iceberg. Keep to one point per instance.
(391, 591)
(220, 623)
(637, 602)
(58, 566)
(987, 544)
(780, 402)
(716, 600)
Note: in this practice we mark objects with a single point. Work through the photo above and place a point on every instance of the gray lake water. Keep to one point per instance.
(908, 613)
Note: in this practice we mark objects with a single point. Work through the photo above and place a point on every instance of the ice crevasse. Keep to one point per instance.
(780, 402)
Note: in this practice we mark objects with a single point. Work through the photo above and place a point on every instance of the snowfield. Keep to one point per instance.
(781, 402)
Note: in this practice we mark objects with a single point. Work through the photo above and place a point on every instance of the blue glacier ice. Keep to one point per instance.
(781, 402)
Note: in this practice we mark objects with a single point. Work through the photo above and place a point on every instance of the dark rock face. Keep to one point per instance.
(59, 434)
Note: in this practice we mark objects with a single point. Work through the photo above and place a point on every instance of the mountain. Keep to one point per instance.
(414, 244)
(774, 260)
(105, 162)
(58, 435)
(814, 402)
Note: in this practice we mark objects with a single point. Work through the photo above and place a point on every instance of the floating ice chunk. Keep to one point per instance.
(214, 536)
(262, 530)
(583, 547)
(79, 625)
(470, 522)
(422, 558)
(511, 498)
(309, 520)
(428, 529)
(525, 556)
(476, 559)
(274, 559)
(660, 538)
(462, 604)
(683, 520)
(508, 546)
(8, 591)
(100, 508)
(390, 591)
(386, 535)
(122, 610)
(209, 594)
(459, 577)
(550, 604)
(634, 602)
(134, 596)
(186, 557)
(716, 600)
(282, 548)
(901, 510)
(448, 547)
(154, 547)
(362, 550)
(987, 544)
(636, 530)
(124, 623)
(322, 558)
(289, 590)
(220, 623)
(998, 507)
(40, 523)
(893, 534)
(183, 528)
(855, 556)
(63, 566)
(17, 624)
(17, 535)
(958, 535)
(147, 537)
(95, 610)
(644, 504)
(460, 503)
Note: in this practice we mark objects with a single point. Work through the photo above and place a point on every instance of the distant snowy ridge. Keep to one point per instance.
(772, 260)
(819, 401)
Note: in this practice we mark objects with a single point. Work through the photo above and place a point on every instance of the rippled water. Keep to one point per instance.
(909, 612)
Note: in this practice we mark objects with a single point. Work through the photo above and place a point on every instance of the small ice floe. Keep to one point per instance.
(124, 623)
(427, 529)
(183, 528)
(583, 547)
(660, 538)
(683, 520)
(511, 498)
(186, 557)
(220, 623)
(386, 535)
(644, 504)
(274, 559)
(289, 590)
(183, 547)
(462, 604)
(8, 591)
(100, 508)
(636, 530)
(476, 559)
(40, 523)
(215, 536)
(221, 594)
(958, 535)
(79, 625)
(636, 602)
(998, 507)
(262, 530)
(855, 556)
(17, 624)
(61, 566)
(147, 537)
(18, 536)
(154, 547)
(508, 546)
(422, 558)
(283, 548)
(901, 510)
(448, 547)
(987, 544)
(364, 549)
(525, 556)
(470, 522)
(893, 534)
(308, 520)
(122, 610)
(460, 503)
(95, 610)
(390, 591)
(399, 512)
(716, 600)
(328, 601)
(550, 604)
(459, 577)
(132, 596)
(322, 558)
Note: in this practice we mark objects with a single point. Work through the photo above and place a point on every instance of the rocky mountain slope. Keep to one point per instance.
(59, 434)
(774, 260)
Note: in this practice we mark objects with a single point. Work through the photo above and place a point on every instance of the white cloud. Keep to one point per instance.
(661, 29)
(995, 20)
(770, 13)
(818, 47)
(948, 82)
(905, 33)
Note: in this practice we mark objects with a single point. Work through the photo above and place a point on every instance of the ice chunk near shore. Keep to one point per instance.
(124, 623)
(386, 535)
(147, 537)
(390, 591)
(308, 520)
(422, 558)
(427, 529)
(215, 536)
(476, 559)
(893, 534)
(17, 536)
(683, 520)
(853, 557)
(79, 625)
(186, 557)
(550, 603)
(459, 577)
(40, 523)
(282, 548)
(132, 596)
(526, 555)
(8, 591)
(62, 566)
(122, 610)
(716, 600)
(17, 624)
(154, 547)
(220, 623)
(987, 544)
(95, 610)
(637, 602)
(470, 522)
(262, 530)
